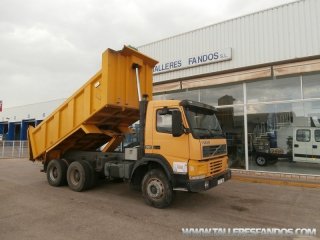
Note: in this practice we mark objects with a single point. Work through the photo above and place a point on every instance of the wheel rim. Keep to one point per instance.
(53, 173)
(155, 188)
(261, 160)
(75, 176)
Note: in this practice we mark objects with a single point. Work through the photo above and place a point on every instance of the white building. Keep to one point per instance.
(262, 71)
(14, 121)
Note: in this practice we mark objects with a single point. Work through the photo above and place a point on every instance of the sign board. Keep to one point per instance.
(194, 61)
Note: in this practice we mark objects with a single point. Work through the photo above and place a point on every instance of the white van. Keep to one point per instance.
(306, 145)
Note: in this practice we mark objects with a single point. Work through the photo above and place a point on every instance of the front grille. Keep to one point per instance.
(215, 150)
(215, 166)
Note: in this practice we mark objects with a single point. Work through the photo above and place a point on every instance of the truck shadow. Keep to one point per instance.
(185, 201)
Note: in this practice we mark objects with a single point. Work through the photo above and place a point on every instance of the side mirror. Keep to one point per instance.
(177, 127)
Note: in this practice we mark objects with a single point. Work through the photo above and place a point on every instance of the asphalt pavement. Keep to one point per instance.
(31, 209)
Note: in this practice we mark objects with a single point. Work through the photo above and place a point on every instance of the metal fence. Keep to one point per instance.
(14, 149)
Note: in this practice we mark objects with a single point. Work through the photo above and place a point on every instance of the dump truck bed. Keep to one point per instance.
(99, 112)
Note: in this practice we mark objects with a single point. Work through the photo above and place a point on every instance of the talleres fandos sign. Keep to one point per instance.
(193, 61)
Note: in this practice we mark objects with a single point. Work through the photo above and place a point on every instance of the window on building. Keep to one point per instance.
(282, 88)
(232, 124)
(275, 110)
(224, 95)
(311, 85)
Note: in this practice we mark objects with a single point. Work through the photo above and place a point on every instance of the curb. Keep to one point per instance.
(276, 181)
(277, 178)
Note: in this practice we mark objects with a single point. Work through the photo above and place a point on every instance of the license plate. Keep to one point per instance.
(220, 181)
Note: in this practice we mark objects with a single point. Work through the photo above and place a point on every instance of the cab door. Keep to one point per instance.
(174, 149)
(316, 145)
(302, 145)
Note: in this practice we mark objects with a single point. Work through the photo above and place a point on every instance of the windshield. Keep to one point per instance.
(203, 123)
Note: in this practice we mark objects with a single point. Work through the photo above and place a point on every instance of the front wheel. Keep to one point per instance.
(261, 160)
(156, 189)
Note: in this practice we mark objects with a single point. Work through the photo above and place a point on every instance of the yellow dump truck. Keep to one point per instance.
(181, 145)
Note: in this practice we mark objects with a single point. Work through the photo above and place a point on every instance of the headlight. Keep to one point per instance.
(180, 167)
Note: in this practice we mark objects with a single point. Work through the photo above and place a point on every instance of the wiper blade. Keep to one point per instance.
(204, 136)
(215, 131)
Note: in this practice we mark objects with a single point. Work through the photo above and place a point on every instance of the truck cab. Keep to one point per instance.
(185, 141)
(306, 144)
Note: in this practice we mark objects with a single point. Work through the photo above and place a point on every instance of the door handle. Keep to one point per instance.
(296, 145)
(314, 146)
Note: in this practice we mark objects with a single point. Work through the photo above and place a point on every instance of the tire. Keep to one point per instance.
(78, 176)
(261, 160)
(156, 189)
(57, 173)
(92, 176)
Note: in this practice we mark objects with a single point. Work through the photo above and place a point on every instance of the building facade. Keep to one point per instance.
(14, 121)
(262, 72)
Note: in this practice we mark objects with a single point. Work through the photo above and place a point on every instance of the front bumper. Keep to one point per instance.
(207, 183)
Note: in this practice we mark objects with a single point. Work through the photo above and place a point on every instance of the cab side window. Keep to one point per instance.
(164, 120)
(317, 135)
(303, 135)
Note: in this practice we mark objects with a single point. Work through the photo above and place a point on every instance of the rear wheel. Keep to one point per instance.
(78, 176)
(92, 176)
(156, 189)
(57, 172)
